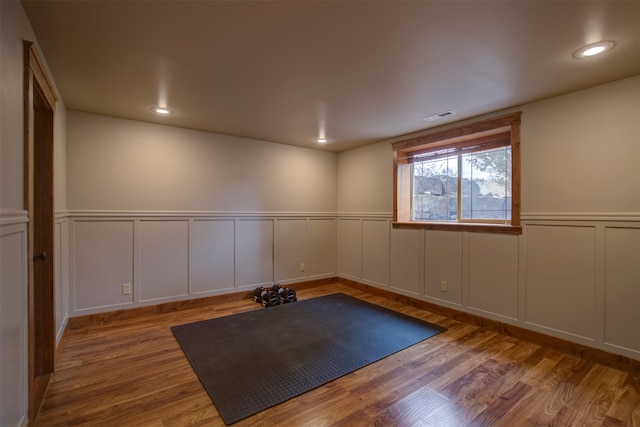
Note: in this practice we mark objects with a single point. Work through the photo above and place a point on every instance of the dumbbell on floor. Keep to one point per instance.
(266, 297)
(284, 294)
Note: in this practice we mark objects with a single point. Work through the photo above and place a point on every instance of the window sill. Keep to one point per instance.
(456, 226)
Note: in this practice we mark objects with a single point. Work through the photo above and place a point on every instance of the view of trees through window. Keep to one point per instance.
(482, 177)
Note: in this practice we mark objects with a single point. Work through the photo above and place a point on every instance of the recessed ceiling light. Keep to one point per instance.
(593, 49)
(161, 110)
(321, 140)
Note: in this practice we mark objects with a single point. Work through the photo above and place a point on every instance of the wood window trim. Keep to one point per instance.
(456, 136)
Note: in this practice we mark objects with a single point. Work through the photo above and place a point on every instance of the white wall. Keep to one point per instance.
(365, 180)
(573, 273)
(181, 214)
(581, 152)
(116, 164)
(14, 28)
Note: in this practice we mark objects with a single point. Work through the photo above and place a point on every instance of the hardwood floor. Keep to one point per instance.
(132, 372)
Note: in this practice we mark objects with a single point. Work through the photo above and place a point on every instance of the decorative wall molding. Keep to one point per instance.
(365, 215)
(581, 216)
(508, 289)
(61, 215)
(196, 214)
(13, 216)
(176, 256)
(14, 313)
(526, 216)
(248, 250)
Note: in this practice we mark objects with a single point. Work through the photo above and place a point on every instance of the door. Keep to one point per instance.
(39, 110)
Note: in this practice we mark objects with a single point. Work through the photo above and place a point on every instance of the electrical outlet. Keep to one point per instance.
(126, 288)
(443, 286)
(302, 266)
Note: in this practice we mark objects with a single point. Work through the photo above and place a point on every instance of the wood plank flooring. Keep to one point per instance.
(133, 373)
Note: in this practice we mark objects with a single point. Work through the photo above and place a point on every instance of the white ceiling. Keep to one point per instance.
(363, 71)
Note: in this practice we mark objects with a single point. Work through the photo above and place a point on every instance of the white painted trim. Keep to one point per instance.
(522, 279)
(599, 282)
(442, 302)
(61, 215)
(14, 223)
(198, 214)
(491, 315)
(160, 300)
(569, 336)
(366, 281)
(303, 279)
(221, 291)
(365, 215)
(13, 228)
(613, 348)
(105, 308)
(13, 216)
(526, 216)
(465, 273)
(350, 277)
(580, 216)
(60, 332)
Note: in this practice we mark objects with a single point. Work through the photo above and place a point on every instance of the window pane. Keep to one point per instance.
(486, 185)
(435, 190)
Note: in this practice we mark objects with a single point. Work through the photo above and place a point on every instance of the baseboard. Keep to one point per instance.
(169, 307)
(588, 353)
(591, 354)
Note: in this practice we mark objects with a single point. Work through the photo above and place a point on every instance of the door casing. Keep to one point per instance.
(39, 113)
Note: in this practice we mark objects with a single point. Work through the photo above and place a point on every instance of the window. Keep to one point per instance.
(466, 178)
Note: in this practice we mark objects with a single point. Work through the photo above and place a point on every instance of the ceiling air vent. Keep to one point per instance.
(438, 116)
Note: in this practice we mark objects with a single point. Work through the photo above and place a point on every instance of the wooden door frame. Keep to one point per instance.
(39, 112)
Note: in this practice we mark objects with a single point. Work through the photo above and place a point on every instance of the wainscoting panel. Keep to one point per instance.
(321, 248)
(350, 248)
(173, 256)
(572, 276)
(103, 260)
(13, 323)
(622, 287)
(493, 273)
(164, 259)
(443, 261)
(254, 253)
(560, 278)
(406, 260)
(211, 256)
(375, 251)
(57, 279)
(291, 249)
(61, 272)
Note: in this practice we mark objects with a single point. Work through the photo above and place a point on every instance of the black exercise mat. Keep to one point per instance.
(251, 361)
